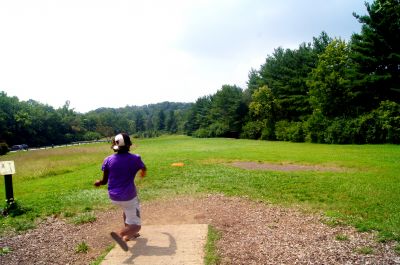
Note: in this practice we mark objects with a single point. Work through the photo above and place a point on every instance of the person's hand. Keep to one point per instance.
(98, 183)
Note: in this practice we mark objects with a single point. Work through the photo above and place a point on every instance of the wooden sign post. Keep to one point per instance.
(7, 169)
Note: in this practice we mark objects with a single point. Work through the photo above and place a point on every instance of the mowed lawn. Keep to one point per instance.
(361, 184)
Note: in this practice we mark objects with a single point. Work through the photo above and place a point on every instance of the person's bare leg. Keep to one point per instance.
(124, 219)
(125, 237)
(130, 231)
(125, 234)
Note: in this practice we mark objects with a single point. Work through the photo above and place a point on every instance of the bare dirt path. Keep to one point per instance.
(251, 165)
(251, 233)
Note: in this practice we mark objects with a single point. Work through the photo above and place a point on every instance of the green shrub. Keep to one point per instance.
(297, 132)
(89, 136)
(151, 134)
(252, 130)
(4, 148)
(341, 131)
(333, 132)
(201, 133)
(388, 115)
(379, 126)
(368, 130)
(268, 133)
(290, 131)
(82, 248)
(281, 130)
(315, 128)
(218, 129)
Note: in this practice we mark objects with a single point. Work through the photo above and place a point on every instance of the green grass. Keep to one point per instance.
(211, 255)
(342, 237)
(397, 249)
(82, 248)
(365, 193)
(365, 250)
(100, 258)
(5, 250)
(84, 218)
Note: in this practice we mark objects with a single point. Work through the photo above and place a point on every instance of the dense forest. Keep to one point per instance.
(326, 91)
(36, 124)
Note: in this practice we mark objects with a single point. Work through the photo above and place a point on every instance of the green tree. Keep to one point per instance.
(8, 107)
(263, 109)
(330, 88)
(227, 112)
(320, 43)
(286, 73)
(139, 122)
(255, 81)
(171, 122)
(161, 120)
(376, 51)
(3, 148)
(199, 115)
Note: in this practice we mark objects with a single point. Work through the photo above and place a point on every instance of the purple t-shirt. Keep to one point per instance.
(122, 169)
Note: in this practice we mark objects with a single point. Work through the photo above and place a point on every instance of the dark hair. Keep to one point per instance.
(126, 147)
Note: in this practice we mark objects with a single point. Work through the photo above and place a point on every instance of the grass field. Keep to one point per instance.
(365, 193)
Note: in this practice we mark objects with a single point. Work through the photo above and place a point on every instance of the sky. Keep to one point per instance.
(98, 53)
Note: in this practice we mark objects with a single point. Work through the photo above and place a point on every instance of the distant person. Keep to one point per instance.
(119, 171)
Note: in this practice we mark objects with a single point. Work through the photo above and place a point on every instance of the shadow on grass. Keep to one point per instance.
(14, 209)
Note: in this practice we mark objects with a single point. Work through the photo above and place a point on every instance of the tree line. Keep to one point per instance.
(325, 91)
(36, 124)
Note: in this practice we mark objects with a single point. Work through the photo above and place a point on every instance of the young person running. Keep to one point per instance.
(119, 171)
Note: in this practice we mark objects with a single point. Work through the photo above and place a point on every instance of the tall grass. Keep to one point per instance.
(364, 193)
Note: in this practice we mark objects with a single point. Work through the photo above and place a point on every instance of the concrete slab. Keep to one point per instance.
(163, 244)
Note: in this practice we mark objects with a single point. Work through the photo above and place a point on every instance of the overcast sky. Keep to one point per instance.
(98, 53)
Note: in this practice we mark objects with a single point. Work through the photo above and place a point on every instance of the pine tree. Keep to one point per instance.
(376, 51)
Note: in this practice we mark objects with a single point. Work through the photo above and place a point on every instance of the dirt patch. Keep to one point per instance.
(54, 241)
(251, 233)
(283, 167)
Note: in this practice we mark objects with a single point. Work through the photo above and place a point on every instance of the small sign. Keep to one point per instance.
(7, 168)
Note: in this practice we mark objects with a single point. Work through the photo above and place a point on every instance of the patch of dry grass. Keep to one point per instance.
(55, 161)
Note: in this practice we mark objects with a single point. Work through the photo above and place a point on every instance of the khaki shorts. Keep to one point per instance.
(131, 209)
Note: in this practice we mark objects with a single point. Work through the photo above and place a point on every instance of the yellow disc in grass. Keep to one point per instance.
(180, 164)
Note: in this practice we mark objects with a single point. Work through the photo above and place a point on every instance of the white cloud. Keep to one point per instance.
(99, 53)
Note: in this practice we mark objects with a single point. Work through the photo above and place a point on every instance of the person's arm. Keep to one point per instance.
(143, 172)
(102, 181)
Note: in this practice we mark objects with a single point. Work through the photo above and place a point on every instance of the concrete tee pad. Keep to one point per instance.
(163, 244)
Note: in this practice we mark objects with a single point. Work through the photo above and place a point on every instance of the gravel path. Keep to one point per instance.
(251, 233)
